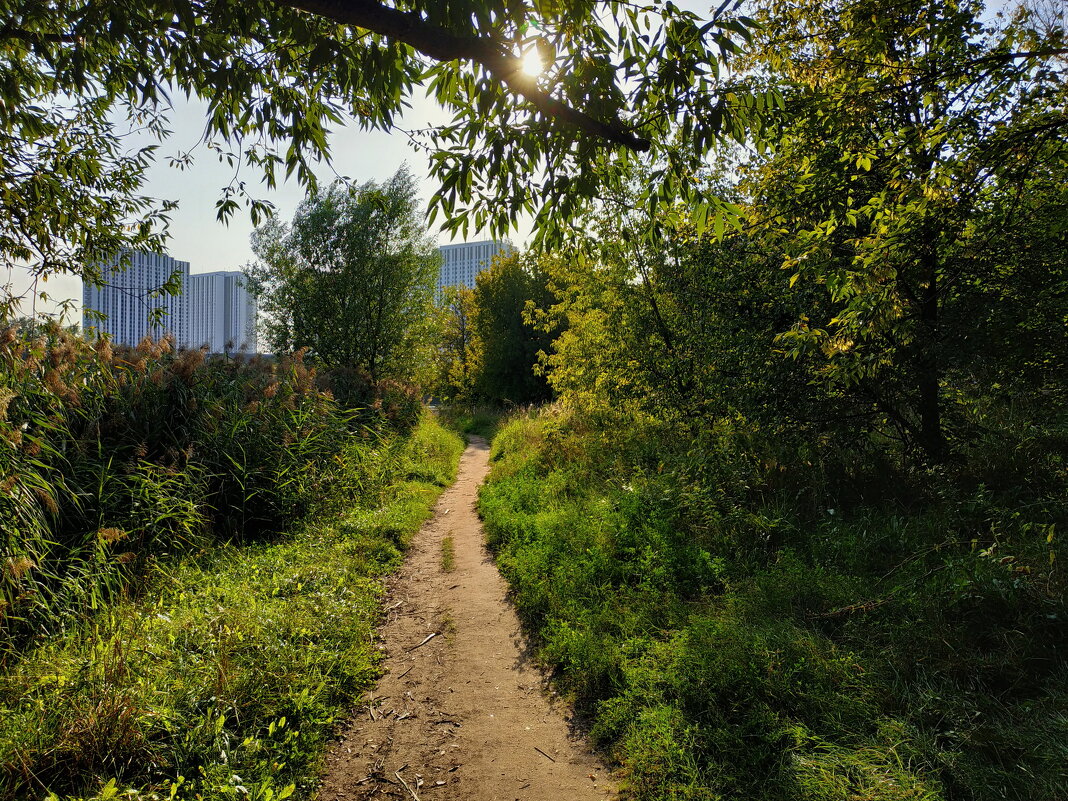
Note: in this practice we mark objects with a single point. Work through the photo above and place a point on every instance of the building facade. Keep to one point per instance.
(462, 262)
(130, 296)
(222, 313)
(214, 310)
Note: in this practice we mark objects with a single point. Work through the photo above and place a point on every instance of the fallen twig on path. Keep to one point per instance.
(406, 787)
(544, 754)
(429, 637)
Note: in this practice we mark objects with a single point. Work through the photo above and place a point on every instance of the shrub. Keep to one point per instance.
(118, 456)
(736, 634)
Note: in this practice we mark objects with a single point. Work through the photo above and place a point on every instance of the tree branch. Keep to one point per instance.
(37, 37)
(443, 45)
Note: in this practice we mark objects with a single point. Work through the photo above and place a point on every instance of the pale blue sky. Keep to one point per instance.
(196, 235)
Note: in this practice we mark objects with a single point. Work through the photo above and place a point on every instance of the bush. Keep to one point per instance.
(734, 634)
(119, 456)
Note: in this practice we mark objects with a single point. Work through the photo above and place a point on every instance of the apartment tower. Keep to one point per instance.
(130, 294)
(214, 310)
(462, 262)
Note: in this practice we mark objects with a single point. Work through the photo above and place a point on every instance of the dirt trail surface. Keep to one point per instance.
(461, 714)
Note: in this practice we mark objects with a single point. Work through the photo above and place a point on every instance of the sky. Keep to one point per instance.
(195, 234)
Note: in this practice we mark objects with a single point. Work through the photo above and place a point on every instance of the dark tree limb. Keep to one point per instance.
(37, 37)
(444, 45)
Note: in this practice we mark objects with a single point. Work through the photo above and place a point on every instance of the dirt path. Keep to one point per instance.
(463, 716)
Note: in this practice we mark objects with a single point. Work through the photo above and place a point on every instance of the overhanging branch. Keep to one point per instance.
(443, 45)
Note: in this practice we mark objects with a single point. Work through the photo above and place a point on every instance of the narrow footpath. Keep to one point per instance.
(462, 713)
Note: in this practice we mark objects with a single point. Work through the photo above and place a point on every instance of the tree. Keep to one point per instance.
(621, 81)
(69, 189)
(351, 278)
(508, 343)
(909, 142)
(684, 332)
(459, 354)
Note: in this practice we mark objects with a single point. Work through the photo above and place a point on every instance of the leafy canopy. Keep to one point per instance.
(902, 245)
(915, 144)
(351, 278)
(622, 82)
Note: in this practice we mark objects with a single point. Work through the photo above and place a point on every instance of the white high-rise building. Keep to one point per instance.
(462, 262)
(130, 295)
(214, 310)
(222, 313)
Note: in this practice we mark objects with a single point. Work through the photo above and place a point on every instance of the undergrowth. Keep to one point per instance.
(732, 636)
(225, 680)
(482, 421)
(116, 457)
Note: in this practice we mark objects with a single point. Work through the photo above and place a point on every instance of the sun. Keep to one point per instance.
(532, 64)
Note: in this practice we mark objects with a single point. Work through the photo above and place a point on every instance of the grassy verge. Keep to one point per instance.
(448, 554)
(760, 650)
(482, 421)
(226, 679)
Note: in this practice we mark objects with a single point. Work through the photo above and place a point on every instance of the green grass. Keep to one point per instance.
(733, 645)
(448, 554)
(226, 680)
(483, 421)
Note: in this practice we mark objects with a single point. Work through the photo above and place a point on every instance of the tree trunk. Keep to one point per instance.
(928, 368)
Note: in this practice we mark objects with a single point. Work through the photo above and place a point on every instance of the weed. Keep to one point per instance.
(729, 642)
(447, 624)
(448, 554)
(227, 678)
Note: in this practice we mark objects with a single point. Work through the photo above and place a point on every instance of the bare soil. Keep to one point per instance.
(462, 713)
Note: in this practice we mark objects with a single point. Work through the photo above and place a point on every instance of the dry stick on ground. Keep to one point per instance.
(406, 787)
(429, 637)
(544, 754)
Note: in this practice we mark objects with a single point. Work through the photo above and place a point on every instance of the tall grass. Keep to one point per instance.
(226, 677)
(732, 636)
(116, 457)
(481, 421)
